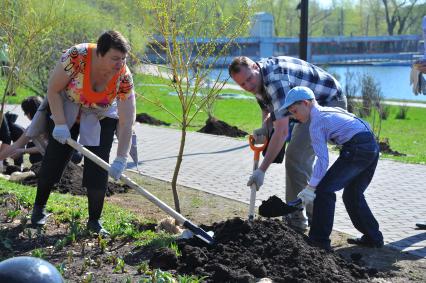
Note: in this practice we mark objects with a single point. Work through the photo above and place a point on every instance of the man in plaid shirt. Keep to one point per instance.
(270, 80)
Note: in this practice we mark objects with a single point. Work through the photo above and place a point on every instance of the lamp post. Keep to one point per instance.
(303, 37)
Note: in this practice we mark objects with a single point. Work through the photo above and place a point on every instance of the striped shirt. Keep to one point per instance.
(330, 124)
(280, 74)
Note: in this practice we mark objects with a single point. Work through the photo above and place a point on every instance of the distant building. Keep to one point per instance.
(263, 25)
(396, 49)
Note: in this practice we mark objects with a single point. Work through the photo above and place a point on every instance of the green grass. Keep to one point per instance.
(242, 113)
(21, 93)
(406, 136)
(66, 208)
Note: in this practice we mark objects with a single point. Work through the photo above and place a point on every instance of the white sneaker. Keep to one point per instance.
(297, 220)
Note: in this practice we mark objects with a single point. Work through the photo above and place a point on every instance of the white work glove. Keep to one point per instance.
(260, 135)
(307, 195)
(61, 133)
(117, 167)
(256, 178)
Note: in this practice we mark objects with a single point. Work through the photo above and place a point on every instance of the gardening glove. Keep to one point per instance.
(61, 133)
(117, 167)
(260, 135)
(256, 178)
(307, 195)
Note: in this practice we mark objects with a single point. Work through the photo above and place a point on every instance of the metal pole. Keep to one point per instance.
(303, 37)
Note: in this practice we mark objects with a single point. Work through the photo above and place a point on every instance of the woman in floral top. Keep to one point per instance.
(90, 94)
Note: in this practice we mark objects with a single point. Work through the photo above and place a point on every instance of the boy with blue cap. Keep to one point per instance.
(353, 170)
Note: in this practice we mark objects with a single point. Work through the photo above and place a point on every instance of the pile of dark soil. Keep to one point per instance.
(221, 128)
(71, 181)
(147, 119)
(245, 252)
(274, 206)
(385, 148)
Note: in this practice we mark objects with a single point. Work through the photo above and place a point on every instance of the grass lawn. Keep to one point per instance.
(406, 136)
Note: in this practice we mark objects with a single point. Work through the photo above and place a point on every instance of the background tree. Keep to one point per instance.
(24, 26)
(190, 45)
(398, 14)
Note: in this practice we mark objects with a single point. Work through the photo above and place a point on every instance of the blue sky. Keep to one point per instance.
(325, 3)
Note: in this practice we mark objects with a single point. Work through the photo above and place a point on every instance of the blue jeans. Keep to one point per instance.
(353, 171)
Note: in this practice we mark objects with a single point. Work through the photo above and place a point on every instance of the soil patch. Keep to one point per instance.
(246, 252)
(71, 181)
(147, 119)
(80, 259)
(221, 128)
(385, 148)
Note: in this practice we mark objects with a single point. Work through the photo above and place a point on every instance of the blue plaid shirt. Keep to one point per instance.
(280, 74)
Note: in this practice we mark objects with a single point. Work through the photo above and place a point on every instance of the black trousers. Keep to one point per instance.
(95, 178)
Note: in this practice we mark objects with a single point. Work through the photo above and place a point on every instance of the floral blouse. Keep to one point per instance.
(77, 63)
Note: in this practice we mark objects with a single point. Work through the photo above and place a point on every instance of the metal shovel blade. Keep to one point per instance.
(207, 237)
(274, 207)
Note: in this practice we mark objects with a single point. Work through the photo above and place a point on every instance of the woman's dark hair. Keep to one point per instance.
(30, 105)
(112, 39)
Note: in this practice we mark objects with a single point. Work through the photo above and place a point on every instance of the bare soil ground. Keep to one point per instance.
(147, 119)
(71, 181)
(243, 253)
(221, 128)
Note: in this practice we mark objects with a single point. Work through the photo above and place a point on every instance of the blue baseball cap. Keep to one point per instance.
(296, 94)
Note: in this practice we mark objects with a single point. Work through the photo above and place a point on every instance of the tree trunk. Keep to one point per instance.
(177, 168)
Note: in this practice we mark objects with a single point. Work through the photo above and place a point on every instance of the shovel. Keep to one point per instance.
(257, 149)
(197, 231)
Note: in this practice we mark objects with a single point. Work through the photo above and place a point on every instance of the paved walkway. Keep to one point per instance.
(222, 165)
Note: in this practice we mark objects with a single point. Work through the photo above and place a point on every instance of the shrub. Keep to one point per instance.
(384, 111)
(402, 113)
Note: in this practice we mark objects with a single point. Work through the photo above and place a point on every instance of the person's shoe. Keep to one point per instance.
(39, 215)
(297, 221)
(321, 245)
(421, 226)
(365, 243)
(95, 226)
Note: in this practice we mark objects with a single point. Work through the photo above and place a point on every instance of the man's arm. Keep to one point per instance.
(276, 142)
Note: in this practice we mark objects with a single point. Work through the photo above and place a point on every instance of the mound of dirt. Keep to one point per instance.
(221, 128)
(385, 148)
(246, 252)
(71, 181)
(147, 119)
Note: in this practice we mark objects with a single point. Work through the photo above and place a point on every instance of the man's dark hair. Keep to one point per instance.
(112, 39)
(237, 63)
(30, 105)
